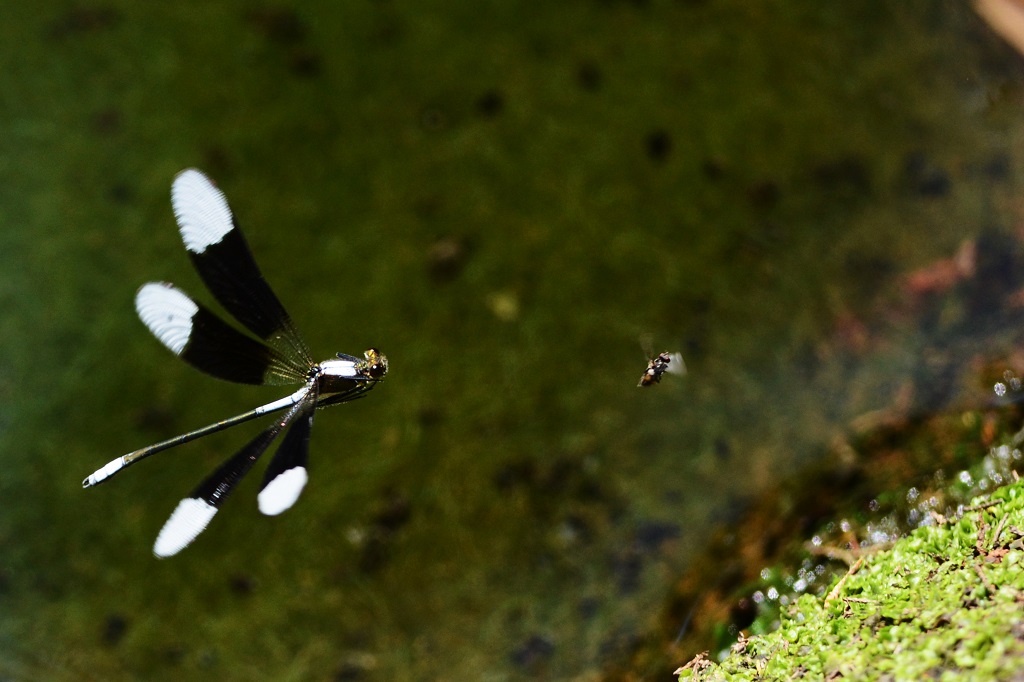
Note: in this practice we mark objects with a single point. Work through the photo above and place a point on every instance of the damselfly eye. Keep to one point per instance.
(378, 364)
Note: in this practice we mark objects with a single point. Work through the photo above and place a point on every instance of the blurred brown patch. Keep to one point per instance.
(1006, 17)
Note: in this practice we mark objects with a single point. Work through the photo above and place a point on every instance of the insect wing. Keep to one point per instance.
(194, 513)
(287, 473)
(675, 364)
(225, 263)
(200, 338)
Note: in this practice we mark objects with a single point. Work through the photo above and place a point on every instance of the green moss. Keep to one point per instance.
(942, 603)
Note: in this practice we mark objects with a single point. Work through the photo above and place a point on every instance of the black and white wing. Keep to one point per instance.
(194, 513)
(287, 473)
(203, 340)
(223, 260)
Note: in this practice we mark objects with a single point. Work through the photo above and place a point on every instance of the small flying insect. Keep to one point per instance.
(664, 362)
(277, 355)
(659, 364)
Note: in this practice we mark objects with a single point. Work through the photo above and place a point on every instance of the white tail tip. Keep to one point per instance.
(104, 472)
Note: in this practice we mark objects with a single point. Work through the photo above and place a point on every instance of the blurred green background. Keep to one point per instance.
(503, 197)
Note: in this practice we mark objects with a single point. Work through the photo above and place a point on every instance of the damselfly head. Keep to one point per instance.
(376, 367)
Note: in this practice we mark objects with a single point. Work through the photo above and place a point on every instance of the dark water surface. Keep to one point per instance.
(502, 197)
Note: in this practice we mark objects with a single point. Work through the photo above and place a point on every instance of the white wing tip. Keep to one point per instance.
(167, 312)
(201, 210)
(191, 175)
(188, 520)
(283, 491)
